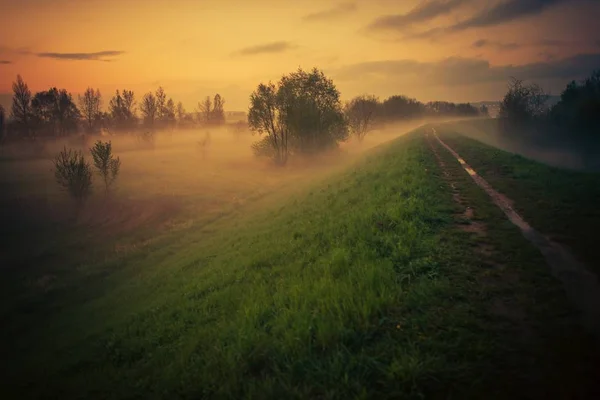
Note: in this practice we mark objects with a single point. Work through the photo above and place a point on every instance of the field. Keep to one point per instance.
(375, 274)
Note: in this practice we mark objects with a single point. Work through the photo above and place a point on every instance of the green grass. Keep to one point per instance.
(361, 287)
(563, 204)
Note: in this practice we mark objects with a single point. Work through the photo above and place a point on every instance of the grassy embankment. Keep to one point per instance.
(363, 285)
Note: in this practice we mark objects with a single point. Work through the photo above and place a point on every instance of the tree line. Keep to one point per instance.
(524, 110)
(55, 113)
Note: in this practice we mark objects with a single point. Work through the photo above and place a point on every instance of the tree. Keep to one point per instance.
(169, 113)
(180, 112)
(218, 112)
(108, 167)
(312, 111)
(266, 115)
(402, 108)
(204, 112)
(149, 109)
(360, 112)
(302, 112)
(90, 105)
(21, 112)
(578, 109)
(73, 174)
(54, 112)
(522, 103)
(122, 110)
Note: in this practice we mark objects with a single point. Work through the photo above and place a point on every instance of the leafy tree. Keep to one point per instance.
(303, 110)
(267, 115)
(149, 109)
(90, 105)
(360, 113)
(578, 109)
(122, 110)
(21, 112)
(402, 108)
(108, 167)
(312, 111)
(54, 112)
(73, 174)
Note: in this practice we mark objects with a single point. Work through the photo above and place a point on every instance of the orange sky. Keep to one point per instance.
(459, 50)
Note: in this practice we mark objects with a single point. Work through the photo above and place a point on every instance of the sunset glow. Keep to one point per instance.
(429, 50)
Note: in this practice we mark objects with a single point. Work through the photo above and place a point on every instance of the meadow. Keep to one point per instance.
(222, 277)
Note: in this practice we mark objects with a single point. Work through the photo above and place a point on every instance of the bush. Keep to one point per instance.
(73, 174)
(108, 167)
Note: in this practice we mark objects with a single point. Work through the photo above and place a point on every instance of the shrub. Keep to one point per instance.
(73, 174)
(108, 167)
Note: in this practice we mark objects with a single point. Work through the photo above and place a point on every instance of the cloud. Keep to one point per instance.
(464, 71)
(274, 47)
(421, 13)
(97, 56)
(334, 12)
(481, 43)
(501, 13)
(4, 62)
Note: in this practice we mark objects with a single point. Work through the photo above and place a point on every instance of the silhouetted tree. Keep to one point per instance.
(90, 106)
(169, 113)
(21, 113)
(578, 109)
(73, 174)
(180, 112)
(401, 108)
(218, 113)
(149, 109)
(205, 111)
(360, 112)
(122, 110)
(108, 167)
(522, 103)
(54, 112)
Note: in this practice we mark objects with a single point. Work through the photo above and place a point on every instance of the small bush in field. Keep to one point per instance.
(73, 174)
(108, 167)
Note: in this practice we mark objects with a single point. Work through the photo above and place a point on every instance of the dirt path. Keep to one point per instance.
(580, 284)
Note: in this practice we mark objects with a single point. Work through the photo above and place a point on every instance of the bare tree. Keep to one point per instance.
(360, 112)
(205, 111)
(169, 113)
(90, 104)
(21, 106)
(149, 109)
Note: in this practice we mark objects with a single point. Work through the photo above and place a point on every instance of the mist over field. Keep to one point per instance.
(299, 200)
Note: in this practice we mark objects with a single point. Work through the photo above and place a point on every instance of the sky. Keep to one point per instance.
(455, 50)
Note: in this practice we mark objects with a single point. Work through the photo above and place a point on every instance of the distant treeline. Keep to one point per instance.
(397, 108)
(573, 120)
(55, 113)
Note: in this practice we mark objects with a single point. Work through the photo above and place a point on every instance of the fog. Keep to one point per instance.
(174, 184)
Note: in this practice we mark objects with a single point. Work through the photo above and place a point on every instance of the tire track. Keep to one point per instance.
(580, 284)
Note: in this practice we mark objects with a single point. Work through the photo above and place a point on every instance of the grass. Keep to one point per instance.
(558, 202)
(361, 286)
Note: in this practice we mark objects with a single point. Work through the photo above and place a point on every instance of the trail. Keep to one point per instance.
(580, 284)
